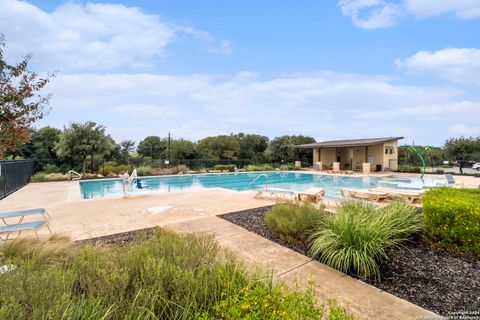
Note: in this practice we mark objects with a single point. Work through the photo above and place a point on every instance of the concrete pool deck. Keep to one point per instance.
(82, 219)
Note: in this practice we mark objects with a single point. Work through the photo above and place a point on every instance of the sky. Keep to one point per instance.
(328, 69)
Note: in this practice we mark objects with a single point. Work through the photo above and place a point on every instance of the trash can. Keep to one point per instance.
(378, 168)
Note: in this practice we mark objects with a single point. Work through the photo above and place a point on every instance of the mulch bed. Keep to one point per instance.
(436, 279)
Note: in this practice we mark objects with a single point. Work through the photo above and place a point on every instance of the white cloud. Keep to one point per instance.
(454, 64)
(324, 104)
(465, 9)
(91, 36)
(463, 130)
(431, 111)
(373, 14)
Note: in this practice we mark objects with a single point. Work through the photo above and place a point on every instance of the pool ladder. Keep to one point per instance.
(258, 177)
(77, 177)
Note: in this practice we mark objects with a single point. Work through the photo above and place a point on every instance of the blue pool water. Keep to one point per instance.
(233, 181)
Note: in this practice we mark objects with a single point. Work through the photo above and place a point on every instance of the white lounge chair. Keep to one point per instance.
(451, 181)
(410, 196)
(277, 192)
(315, 194)
(367, 195)
(19, 225)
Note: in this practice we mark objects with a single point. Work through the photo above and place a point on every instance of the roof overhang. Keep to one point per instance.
(347, 143)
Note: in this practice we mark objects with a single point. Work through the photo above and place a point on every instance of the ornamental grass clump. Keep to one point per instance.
(169, 276)
(357, 236)
(294, 223)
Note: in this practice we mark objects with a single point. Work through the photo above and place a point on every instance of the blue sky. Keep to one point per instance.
(329, 69)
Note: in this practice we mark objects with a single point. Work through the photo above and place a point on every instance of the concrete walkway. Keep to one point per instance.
(363, 300)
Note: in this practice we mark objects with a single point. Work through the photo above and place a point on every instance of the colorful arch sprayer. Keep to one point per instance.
(420, 154)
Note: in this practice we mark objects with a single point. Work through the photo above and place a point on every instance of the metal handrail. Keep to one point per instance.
(78, 175)
(258, 177)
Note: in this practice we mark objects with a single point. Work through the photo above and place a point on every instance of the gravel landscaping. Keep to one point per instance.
(435, 279)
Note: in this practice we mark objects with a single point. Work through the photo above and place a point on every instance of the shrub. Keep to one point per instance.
(294, 222)
(48, 177)
(167, 277)
(225, 167)
(260, 167)
(356, 237)
(51, 168)
(116, 169)
(409, 169)
(144, 171)
(452, 217)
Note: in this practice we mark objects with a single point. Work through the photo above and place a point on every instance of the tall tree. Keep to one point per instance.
(463, 149)
(20, 103)
(152, 146)
(284, 149)
(183, 149)
(44, 143)
(219, 147)
(252, 146)
(81, 141)
(126, 147)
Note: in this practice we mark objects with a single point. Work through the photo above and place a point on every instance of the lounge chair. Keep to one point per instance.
(367, 195)
(277, 192)
(315, 194)
(19, 227)
(23, 213)
(451, 181)
(410, 196)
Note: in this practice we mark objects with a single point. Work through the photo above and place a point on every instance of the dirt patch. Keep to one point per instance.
(436, 279)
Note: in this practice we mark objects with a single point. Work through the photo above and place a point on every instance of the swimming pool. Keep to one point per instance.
(233, 181)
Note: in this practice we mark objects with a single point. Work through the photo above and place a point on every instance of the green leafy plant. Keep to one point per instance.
(452, 218)
(356, 237)
(225, 167)
(48, 177)
(294, 222)
(169, 276)
(260, 167)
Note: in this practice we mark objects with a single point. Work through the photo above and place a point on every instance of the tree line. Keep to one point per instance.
(87, 146)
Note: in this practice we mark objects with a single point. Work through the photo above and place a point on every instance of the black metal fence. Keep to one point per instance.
(14, 174)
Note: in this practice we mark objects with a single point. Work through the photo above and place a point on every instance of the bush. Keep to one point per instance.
(116, 169)
(51, 168)
(356, 237)
(48, 177)
(452, 217)
(144, 171)
(409, 169)
(294, 222)
(224, 167)
(260, 167)
(167, 277)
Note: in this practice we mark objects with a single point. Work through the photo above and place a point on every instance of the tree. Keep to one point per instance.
(219, 147)
(284, 149)
(126, 147)
(20, 103)
(182, 149)
(44, 142)
(81, 141)
(463, 149)
(252, 146)
(152, 146)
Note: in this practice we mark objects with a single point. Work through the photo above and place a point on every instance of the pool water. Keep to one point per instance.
(233, 181)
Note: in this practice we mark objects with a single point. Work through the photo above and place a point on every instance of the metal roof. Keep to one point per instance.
(347, 143)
